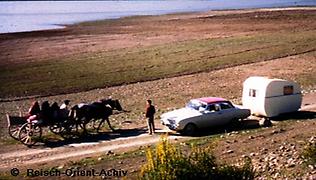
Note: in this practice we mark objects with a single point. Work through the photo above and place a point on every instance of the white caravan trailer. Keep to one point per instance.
(271, 97)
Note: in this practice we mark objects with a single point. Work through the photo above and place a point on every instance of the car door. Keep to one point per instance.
(210, 116)
(227, 112)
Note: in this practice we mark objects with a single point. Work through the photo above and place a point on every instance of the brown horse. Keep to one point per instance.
(84, 113)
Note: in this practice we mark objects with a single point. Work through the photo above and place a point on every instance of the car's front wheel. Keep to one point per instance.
(190, 129)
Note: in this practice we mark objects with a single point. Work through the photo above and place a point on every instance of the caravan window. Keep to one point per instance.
(288, 90)
(252, 92)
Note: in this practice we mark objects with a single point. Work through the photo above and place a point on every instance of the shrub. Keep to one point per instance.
(166, 162)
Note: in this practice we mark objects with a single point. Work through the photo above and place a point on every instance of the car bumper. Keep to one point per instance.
(171, 126)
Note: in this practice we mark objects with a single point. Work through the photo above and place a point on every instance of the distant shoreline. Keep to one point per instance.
(248, 10)
(56, 26)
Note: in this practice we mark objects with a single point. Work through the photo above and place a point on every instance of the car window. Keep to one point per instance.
(226, 105)
(194, 104)
(211, 107)
(217, 107)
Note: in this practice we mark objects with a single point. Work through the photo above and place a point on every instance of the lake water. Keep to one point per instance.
(20, 16)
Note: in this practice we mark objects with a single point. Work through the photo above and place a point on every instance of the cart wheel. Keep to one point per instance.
(14, 131)
(72, 128)
(56, 128)
(68, 131)
(30, 133)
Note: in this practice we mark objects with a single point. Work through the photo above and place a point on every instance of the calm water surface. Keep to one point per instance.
(20, 16)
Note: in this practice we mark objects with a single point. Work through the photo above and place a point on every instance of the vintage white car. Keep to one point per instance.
(203, 113)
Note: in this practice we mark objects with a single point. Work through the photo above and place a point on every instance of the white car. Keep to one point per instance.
(203, 113)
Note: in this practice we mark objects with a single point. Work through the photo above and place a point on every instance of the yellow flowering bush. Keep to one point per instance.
(166, 162)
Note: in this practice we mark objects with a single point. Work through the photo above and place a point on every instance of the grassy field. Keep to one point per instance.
(102, 69)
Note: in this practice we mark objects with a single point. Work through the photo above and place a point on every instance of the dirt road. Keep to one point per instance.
(76, 151)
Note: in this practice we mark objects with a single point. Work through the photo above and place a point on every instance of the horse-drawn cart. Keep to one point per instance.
(30, 131)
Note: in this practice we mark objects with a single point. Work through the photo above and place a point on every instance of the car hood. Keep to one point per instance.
(180, 114)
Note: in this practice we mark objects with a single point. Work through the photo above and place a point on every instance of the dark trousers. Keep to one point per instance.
(151, 124)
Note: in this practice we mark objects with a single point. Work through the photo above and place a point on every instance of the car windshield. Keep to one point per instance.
(195, 104)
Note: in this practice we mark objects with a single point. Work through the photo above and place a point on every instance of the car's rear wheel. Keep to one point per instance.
(236, 123)
(190, 129)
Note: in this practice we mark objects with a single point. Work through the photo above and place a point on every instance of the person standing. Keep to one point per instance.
(150, 112)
